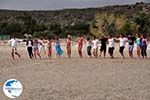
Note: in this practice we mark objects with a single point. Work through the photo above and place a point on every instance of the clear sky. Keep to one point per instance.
(60, 4)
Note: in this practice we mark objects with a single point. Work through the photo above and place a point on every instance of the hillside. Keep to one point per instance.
(64, 21)
(69, 16)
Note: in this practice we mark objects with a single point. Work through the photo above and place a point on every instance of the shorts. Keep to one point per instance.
(130, 48)
(111, 50)
(121, 49)
(138, 45)
(94, 47)
(35, 48)
(103, 49)
(14, 49)
(89, 50)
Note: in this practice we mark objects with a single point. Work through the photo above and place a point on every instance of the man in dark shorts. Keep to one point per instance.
(103, 40)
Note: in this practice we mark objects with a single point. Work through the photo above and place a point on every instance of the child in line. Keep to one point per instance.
(29, 45)
(80, 45)
(41, 46)
(89, 47)
(49, 48)
(14, 41)
(111, 46)
(138, 42)
(95, 47)
(68, 46)
(103, 40)
(122, 44)
(131, 40)
(36, 49)
(59, 51)
(144, 47)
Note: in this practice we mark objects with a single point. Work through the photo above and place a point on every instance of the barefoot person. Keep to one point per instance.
(111, 46)
(68, 46)
(95, 47)
(29, 45)
(138, 43)
(103, 40)
(89, 47)
(14, 41)
(131, 40)
(49, 48)
(36, 49)
(59, 51)
(80, 45)
(144, 47)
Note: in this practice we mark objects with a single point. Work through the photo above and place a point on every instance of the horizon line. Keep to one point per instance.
(72, 8)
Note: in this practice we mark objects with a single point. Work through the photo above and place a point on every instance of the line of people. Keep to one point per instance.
(36, 46)
(140, 40)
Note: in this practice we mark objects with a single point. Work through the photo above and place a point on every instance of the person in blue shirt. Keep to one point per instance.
(58, 48)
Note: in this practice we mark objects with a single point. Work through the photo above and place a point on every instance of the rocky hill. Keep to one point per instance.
(71, 16)
(90, 21)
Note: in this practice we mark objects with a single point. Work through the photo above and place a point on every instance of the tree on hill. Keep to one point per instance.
(143, 21)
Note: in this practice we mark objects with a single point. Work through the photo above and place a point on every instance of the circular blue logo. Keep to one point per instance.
(12, 88)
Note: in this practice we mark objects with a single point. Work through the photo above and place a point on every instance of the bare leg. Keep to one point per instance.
(58, 56)
(44, 50)
(104, 54)
(39, 54)
(80, 51)
(138, 52)
(49, 54)
(122, 56)
(17, 54)
(100, 54)
(69, 55)
(12, 54)
(35, 55)
(96, 53)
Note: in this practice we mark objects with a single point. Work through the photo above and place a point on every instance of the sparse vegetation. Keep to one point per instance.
(96, 21)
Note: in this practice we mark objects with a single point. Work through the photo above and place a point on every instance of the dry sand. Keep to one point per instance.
(76, 78)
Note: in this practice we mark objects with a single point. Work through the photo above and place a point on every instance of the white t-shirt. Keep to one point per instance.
(41, 42)
(111, 42)
(29, 44)
(95, 44)
(14, 42)
(88, 43)
(122, 42)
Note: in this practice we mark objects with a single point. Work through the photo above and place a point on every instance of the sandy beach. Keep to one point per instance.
(76, 78)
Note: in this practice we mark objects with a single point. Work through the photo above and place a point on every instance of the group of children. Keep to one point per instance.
(36, 46)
